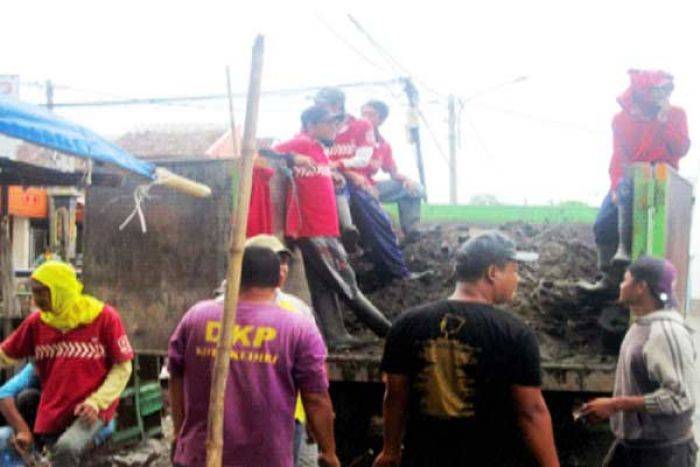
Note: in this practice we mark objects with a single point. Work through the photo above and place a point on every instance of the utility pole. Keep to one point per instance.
(414, 128)
(452, 120)
(49, 95)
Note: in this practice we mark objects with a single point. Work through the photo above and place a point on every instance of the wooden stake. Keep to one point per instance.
(215, 423)
(7, 276)
(234, 141)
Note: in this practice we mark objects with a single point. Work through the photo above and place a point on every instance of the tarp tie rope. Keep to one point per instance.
(141, 193)
(163, 177)
(87, 176)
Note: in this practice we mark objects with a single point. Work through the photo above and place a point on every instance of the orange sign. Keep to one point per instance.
(30, 202)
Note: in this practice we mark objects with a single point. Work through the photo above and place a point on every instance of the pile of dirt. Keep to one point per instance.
(547, 299)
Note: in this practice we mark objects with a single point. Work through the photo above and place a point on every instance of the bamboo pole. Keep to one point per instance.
(7, 276)
(234, 141)
(215, 423)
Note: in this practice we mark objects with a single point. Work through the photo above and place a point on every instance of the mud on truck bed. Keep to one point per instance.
(578, 354)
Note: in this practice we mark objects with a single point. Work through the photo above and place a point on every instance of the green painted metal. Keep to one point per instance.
(147, 401)
(640, 211)
(649, 213)
(566, 213)
(151, 400)
(660, 183)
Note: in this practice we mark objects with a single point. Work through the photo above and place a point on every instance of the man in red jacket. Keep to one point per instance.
(312, 220)
(647, 129)
(352, 149)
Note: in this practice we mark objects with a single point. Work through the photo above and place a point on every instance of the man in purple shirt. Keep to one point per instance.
(274, 356)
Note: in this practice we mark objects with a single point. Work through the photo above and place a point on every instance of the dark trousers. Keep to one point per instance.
(299, 432)
(27, 403)
(330, 277)
(377, 235)
(606, 227)
(622, 454)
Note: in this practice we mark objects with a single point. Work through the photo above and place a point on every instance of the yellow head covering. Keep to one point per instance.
(70, 308)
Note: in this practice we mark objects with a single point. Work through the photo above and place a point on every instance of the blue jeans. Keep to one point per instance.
(377, 235)
(606, 227)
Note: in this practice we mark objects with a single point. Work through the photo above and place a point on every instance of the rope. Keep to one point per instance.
(87, 176)
(141, 194)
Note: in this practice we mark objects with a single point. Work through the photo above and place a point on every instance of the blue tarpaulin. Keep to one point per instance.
(38, 126)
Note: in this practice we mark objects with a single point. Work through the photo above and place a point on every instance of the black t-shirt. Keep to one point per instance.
(462, 359)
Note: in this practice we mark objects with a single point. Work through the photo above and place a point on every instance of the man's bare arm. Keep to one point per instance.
(8, 408)
(602, 408)
(536, 424)
(395, 407)
(319, 415)
(177, 403)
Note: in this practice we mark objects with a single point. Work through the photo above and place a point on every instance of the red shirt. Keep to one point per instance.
(638, 140)
(71, 366)
(260, 212)
(382, 158)
(311, 208)
(355, 133)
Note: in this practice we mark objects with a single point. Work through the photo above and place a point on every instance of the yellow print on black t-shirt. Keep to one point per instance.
(446, 382)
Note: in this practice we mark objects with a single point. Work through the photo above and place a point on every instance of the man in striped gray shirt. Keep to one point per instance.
(652, 405)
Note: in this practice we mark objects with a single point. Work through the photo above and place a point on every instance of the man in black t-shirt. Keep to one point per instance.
(462, 377)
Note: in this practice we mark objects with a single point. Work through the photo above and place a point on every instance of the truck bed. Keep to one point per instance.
(580, 376)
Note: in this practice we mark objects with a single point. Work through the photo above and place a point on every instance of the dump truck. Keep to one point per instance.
(153, 272)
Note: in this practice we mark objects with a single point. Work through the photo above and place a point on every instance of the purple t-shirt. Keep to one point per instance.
(275, 354)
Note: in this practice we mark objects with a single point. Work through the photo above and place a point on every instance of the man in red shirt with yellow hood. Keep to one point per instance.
(82, 357)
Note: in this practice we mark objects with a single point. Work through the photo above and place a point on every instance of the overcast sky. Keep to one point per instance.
(543, 139)
(546, 138)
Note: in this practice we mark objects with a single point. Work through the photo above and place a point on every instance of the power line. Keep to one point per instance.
(478, 136)
(359, 53)
(209, 97)
(537, 118)
(495, 87)
(434, 137)
(390, 58)
(349, 45)
(107, 94)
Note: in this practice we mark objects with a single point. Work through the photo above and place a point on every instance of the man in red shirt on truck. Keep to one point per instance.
(358, 200)
(647, 129)
(352, 150)
(312, 219)
(399, 189)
